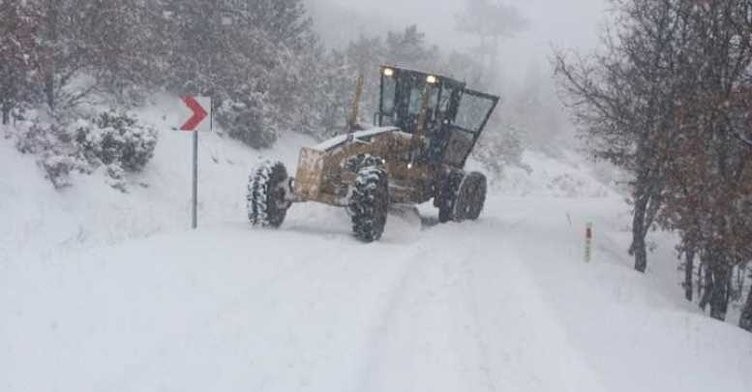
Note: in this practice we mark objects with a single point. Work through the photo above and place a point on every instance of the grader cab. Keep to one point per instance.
(452, 119)
(425, 128)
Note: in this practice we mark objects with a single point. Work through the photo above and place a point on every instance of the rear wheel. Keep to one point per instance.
(268, 187)
(369, 203)
(471, 197)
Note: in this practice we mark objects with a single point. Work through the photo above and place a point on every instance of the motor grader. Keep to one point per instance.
(424, 130)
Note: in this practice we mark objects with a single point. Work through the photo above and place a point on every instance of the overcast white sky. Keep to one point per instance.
(560, 23)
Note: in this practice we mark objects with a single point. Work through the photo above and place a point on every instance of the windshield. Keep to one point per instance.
(416, 98)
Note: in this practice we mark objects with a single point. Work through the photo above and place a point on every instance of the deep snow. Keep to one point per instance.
(102, 290)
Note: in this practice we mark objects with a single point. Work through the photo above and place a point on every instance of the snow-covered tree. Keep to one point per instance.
(19, 52)
(624, 101)
(668, 101)
(409, 48)
(118, 38)
(709, 176)
(490, 21)
(254, 58)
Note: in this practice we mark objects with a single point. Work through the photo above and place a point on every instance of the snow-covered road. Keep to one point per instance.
(502, 304)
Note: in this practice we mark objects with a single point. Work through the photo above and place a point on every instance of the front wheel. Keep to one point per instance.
(369, 203)
(267, 197)
(447, 196)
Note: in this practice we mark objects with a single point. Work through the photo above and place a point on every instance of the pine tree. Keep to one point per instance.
(116, 32)
(408, 48)
(489, 21)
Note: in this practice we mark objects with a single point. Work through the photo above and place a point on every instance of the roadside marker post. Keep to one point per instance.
(201, 108)
(588, 241)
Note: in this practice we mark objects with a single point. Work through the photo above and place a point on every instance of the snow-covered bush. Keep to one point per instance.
(116, 177)
(116, 139)
(39, 137)
(495, 151)
(249, 121)
(57, 155)
(58, 168)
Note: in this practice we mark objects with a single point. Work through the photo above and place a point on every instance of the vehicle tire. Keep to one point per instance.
(446, 196)
(471, 197)
(267, 195)
(357, 162)
(369, 203)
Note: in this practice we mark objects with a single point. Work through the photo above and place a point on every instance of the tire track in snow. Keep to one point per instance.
(427, 337)
(525, 345)
(472, 303)
(380, 328)
(282, 296)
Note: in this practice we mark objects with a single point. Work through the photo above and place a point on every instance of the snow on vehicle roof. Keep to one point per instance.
(337, 140)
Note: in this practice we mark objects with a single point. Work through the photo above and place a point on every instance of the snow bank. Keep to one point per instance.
(568, 176)
(44, 222)
(635, 331)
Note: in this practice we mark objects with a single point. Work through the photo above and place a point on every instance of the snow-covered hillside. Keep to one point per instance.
(102, 290)
(92, 213)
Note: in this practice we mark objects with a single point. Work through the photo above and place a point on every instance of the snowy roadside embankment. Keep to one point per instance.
(43, 222)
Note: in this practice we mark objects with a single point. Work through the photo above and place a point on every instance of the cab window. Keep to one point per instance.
(389, 84)
(473, 111)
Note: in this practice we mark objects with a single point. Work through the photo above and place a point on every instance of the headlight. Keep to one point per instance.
(432, 79)
(388, 72)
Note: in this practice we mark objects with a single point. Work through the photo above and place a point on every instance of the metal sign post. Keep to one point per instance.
(201, 108)
(194, 205)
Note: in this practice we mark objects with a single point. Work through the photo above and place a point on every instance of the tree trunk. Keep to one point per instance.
(721, 278)
(745, 322)
(638, 248)
(49, 90)
(689, 266)
(49, 78)
(707, 286)
(6, 114)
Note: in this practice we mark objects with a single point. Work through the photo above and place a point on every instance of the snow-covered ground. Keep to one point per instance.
(101, 290)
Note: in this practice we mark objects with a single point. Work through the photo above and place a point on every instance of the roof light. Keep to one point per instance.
(432, 79)
(388, 72)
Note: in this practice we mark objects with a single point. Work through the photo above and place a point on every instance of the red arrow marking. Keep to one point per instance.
(199, 114)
